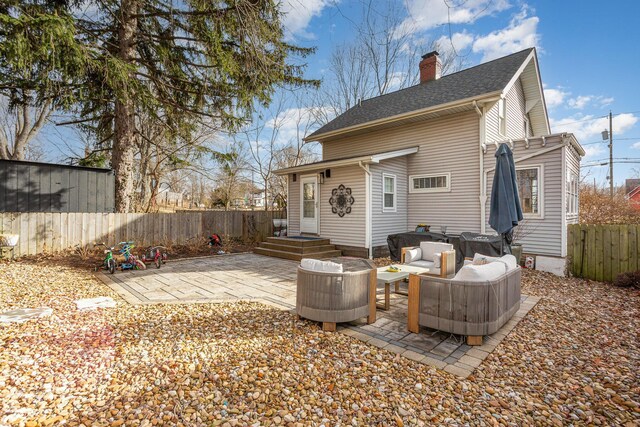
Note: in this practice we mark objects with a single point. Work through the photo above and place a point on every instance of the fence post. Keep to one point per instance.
(244, 227)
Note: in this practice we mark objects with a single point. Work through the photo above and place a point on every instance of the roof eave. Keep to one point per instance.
(531, 57)
(399, 117)
(541, 88)
(368, 159)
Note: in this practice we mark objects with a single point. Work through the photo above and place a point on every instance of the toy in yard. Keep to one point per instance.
(109, 262)
(216, 241)
(157, 254)
(131, 262)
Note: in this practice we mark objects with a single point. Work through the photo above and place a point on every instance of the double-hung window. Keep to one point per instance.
(530, 190)
(388, 192)
(572, 194)
(502, 117)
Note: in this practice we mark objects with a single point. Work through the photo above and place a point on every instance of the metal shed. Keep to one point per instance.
(45, 187)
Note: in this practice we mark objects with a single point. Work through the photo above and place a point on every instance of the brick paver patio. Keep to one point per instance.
(234, 277)
(221, 278)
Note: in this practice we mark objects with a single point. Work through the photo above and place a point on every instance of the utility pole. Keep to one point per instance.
(611, 153)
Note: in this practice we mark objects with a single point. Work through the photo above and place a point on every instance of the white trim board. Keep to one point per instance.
(368, 159)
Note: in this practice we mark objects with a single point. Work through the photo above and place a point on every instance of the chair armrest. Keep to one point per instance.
(448, 264)
(403, 252)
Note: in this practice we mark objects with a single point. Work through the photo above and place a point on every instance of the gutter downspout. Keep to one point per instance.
(483, 187)
(367, 192)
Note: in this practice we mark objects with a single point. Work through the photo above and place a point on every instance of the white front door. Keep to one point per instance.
(309, 204)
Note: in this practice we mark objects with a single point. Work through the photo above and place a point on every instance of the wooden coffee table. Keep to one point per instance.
(387, 278)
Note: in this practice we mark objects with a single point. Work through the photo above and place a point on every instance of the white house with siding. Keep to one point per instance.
(425, 154)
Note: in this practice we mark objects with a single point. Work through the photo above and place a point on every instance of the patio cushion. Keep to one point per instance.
(481, 273)
(429, 249)
(317, 265)
(423, 264)
(508, 260)
(412, 255)
(437, 260)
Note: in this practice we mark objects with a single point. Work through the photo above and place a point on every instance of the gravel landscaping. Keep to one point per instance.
(575, 359)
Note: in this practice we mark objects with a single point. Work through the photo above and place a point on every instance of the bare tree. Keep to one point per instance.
(20, 125)
(383, 58)
(230, 178)
(273, 139)
(165, 154)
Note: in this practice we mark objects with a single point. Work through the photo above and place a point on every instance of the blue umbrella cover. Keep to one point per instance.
(505, 212)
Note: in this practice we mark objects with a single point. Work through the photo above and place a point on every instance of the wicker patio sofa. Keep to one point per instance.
(478, 301)
(336, 297)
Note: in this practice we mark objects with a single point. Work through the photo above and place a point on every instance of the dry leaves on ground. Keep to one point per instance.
(574, 359)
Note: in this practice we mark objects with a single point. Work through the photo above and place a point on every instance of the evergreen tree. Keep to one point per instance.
(173, 62)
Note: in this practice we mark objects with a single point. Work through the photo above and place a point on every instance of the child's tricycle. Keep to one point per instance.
(131, 262)
(156, 253)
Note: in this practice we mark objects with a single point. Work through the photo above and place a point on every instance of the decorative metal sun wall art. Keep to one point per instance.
(341, 200)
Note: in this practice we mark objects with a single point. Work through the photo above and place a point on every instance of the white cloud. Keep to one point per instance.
(594, 150)
(292, 123)
(559, 96)
(298, 13)
(427, 14)
(588, 129)
(458, 42)
(579, 102)
(520, 34)
(554, 97)
(605, 101)
(636, 145)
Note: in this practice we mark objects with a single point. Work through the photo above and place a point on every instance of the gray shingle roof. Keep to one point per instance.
(475, 81)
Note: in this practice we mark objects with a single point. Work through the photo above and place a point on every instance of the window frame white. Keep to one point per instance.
(572, 195)
(502, 117)
(540, 169)
(446, 189)
(393, 208)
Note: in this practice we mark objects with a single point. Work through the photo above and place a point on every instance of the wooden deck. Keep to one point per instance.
(297, 247)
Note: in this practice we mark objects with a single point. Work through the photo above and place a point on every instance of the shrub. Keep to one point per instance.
(628, 280)
(597, 207)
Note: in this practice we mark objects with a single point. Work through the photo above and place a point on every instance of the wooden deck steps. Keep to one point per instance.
(296, 248)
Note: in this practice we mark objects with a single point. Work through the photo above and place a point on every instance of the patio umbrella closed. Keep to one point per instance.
(505, 203)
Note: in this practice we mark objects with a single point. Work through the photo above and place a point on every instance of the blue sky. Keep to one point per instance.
(589, 54)
(588, 51)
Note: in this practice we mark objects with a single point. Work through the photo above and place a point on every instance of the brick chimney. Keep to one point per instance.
(430, 67)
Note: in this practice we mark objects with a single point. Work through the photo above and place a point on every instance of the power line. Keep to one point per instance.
(615, 139)
(597, 118)
(590, 165)
(581, 121)
(615, 158)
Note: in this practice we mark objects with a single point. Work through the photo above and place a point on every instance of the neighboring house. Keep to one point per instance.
(166, 197)
(632, 192)
(425, 154)
(257, 199)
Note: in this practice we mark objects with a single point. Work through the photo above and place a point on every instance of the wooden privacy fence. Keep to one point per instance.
(601, 252)
(43, 232)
